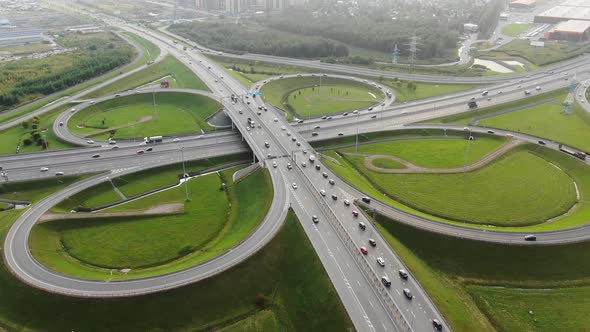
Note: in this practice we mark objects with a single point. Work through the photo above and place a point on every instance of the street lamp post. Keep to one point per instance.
(185, 178)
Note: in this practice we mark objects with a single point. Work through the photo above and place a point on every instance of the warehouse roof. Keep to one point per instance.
(576, 3)
(567, 12)
(573, 26)
(524, 2)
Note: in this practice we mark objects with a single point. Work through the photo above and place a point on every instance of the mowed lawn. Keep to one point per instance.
(316, 101)
(516, 29)
(547, 121)
(208, 228)
(136, 242)
(518, 189)
(434, 153)
(175, 113)
(281, 93)
(403, 93)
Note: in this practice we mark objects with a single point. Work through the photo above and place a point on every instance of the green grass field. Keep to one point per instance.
(337, 95)
(169, 68)
(518, 189)
(434, 153)
(552, 52)
(175, 113)
(33, 191)
(462, 277)
(547, 121)
(150, 51)
(301, 299)
(15, 136)
(404, 93)
(153, 245)
(516, 29)
(388, 163)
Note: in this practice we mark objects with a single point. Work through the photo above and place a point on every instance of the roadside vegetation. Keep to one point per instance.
(552, 52)
(91, 55)
(135, 116)
(501, 188)
(270, 289)
(405, 91)
(481, 286)
(169, 69)
(515, 29)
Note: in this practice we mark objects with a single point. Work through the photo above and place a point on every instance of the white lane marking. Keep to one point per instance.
(358, 282)
(398, 293)
(371, 303)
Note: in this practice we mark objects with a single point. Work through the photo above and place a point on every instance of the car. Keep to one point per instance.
(91, 102)
(491, 132)
(541, 142)
(346, 202)
(304, 151)
(274, 164)
(61, 123)
(355, 112)
(293, 139)
(73, 110)
(299, 121)
(95, 155)
(345, 114)
(114, 147)
(283, 128)
(325, 175)
(340, 134)
(318, 167)
(241, 112)
(298, 144)
(140, 152)
(289, 166)
(403, 274)
(112, 141)
(364, 250)
(366, 199)
(472, 98)
(331, 181)
(386, 281)
(117, 95)
(408, 294)
(315, 219)
(489, 98)
(176, 139)
(370, 109)
(362, 225)
(373, 116)
(324, 117)
(44, 169)
(530, 237)
(294, 185)
(334, 197)
(149, 149)
(267, 144)
(538, 88)
(288, 134)
(59, 173)
(380, 261)
(276, 120)
(466, 128)
(329, 118)
(90, 141)
(355, 213)
(372, 242)
(436, 324)
(323, 192)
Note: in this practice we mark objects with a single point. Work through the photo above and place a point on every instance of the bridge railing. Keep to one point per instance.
(352, 247)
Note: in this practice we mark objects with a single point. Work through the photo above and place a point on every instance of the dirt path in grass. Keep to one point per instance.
(144, 119)
(163, 209)
(411, 168)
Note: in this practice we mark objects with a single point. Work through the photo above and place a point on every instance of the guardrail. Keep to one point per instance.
(370, 275)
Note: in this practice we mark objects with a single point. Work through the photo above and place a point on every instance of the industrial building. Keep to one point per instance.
(572, 30)
(568, 10)
(522, 4)
(470, 27)
(20, 37)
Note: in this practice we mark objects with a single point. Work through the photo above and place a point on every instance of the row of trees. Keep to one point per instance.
(22, 79)
(241, 38)
(35, 135)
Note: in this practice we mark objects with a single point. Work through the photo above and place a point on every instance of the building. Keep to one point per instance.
(20, 37)
(504, 16)
(470, 27)
(522, 4)
(568, 10)
(4, 23)
(572, 30)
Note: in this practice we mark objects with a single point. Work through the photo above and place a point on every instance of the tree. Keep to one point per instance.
(27, 142)
(25, 124)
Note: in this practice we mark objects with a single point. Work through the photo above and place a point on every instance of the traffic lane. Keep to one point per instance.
(418, 311)
(339, 264)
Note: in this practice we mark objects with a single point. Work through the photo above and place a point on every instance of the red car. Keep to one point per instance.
(355, 213)
(364, 250)
(140, 152)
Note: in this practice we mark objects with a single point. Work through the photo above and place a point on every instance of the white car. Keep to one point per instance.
(380, 261)
(44, 169)
(283, 128)
(323, 192)
(176, 139)
(274, 164)
(90, 141)
(294, 185)
(276, 120)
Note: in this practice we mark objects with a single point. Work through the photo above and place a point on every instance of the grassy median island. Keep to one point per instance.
(516, 29)
(135, 116)
(482, 286)
(164, 234)
(525, 188)
(292, 288)
(302, 96)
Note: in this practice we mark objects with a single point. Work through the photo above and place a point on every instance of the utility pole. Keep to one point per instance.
(184, 177)
(395, 54)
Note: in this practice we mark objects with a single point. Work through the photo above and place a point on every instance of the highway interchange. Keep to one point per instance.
(371, 306)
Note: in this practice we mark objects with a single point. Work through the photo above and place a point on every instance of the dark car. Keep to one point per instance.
(366, 199)
(318, 167)
(530, 237)
(437, 325)
(403, 274)
(542, 142)
(315, 219)
(372, 242)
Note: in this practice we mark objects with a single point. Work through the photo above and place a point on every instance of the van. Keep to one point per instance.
(366, 199)
(385, 281)
(362, 225)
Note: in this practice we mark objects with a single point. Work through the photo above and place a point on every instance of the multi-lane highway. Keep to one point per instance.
(337, 237)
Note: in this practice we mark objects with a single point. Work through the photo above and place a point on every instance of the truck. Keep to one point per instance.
(472, 104)
(153, 139)
(577, 154)
(311, 158)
